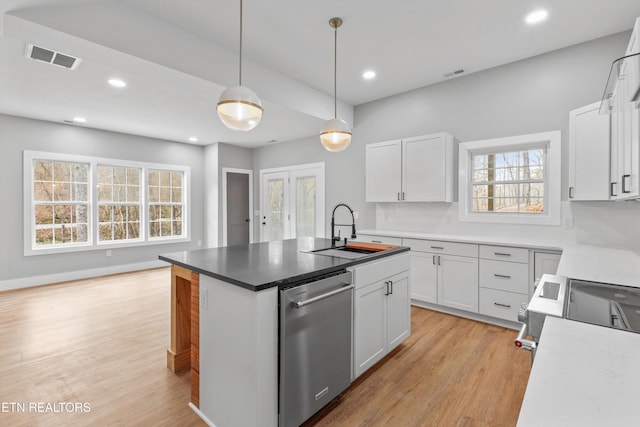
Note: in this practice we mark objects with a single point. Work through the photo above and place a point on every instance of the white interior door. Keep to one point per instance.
(292, 202)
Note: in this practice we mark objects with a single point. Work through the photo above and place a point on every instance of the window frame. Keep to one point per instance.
(93, 243)
(98, 204)
(552, 178)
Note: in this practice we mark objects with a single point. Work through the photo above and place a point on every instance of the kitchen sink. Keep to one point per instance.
(344, 252)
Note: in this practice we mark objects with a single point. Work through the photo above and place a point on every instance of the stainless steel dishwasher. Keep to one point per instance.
(315, 345)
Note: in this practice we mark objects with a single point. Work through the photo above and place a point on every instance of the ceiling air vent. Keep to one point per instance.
(455, 73)
(52, 57)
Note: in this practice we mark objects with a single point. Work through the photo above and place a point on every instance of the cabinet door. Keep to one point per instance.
(426, 168)
(544, 263)
(398, 310)
(633, 73)
(369, 326)
(458, 282)
(424, 277)
(589, 153)
(630, 133)
(383, 171)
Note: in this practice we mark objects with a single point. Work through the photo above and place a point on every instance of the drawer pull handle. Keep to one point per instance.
(501, 254)
(437, 247)
(624, 183)
(502, 305)
(502, 276)
(376, 241)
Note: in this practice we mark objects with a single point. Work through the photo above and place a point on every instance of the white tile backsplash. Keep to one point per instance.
(608, 224)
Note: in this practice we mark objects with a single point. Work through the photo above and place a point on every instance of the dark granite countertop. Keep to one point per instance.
(264, 265)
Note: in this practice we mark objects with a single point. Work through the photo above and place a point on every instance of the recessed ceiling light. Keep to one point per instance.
(117, 83)
(79, 120)
(369, 74)
(193, 139)
(536, 17)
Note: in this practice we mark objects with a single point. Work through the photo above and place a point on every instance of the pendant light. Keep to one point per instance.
(239, 107)
(335, 134)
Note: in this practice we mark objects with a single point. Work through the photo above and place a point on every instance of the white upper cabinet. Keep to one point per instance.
(625, 126)
(633, 71)
(589, 153)
(418, 169)
(383, 171)
(625, 153)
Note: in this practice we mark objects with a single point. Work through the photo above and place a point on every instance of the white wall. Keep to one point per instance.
(528, 96)
(18, 134)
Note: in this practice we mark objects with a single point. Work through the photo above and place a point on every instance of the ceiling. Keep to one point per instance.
(178, 57)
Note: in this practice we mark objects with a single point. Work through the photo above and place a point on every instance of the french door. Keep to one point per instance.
(292, 202)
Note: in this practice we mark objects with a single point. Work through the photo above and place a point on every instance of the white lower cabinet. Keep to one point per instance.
(424, 277)
(504, 281)
(444, 273)
(382, 310)
(501, 304)
(458, 282)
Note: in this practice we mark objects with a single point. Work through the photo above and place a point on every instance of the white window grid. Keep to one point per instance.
(131, 192)
(30, 247)
(518, 183)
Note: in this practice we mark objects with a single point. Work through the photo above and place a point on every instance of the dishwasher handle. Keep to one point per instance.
(300, 304)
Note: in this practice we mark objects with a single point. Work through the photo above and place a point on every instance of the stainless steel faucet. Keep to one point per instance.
(335, 238)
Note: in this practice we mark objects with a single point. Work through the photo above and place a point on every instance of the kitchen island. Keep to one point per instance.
(229, 311)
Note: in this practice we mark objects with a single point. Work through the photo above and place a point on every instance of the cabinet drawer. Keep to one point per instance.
(375, 271)
(504, 276)
(442, 247)
(368, 238)
(504, 253)
(501, 304)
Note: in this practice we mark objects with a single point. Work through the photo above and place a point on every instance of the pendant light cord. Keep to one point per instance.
(240, 72)
(335, 73)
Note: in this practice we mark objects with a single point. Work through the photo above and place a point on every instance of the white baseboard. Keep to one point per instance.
(201, 415)
(27, 282)
(467, 315)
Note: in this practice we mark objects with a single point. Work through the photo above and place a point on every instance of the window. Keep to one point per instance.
(165, 203)
(511, 180)
(119, 203)
(80, 203)
(60, 203)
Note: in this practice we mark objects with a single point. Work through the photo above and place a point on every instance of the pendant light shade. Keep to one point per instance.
(335, 134)
(239, 107)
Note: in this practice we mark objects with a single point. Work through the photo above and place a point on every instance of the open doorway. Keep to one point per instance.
(237, 206)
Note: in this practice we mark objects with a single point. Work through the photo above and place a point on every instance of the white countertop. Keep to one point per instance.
(583, 375)
(585, 262)
(598, 264)
(482, 240)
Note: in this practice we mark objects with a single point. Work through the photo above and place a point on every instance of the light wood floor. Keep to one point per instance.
(103, 342)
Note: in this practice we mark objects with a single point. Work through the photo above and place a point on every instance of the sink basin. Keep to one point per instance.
(343, 252)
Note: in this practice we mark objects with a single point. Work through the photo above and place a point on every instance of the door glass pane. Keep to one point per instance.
(275, 200)
(305, 206)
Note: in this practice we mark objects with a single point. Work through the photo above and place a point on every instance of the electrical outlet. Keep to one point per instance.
(568, 223)
(204, 298)
(108, 252)
(356, 215)
(199, 242)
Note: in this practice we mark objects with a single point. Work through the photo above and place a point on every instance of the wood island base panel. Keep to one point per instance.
(185, 326)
